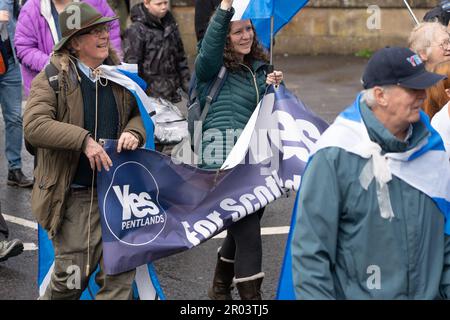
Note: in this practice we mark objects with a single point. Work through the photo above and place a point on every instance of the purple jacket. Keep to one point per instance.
(34, 39)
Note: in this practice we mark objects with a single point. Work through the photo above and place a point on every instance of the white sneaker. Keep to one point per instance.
(10, 249)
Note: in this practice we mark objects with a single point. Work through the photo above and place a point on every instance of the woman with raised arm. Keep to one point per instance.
(235, 46)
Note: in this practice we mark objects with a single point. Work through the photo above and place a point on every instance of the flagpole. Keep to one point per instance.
(411, 12)
(271, 39)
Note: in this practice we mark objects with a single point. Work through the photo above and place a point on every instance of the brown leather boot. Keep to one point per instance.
(223, 279)
(250, 289)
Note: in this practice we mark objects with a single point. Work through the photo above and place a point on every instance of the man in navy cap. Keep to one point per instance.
(370, 219)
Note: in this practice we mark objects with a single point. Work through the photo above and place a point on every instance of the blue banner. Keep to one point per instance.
(152, 207)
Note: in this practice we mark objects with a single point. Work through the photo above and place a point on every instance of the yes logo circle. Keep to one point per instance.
(131, 207)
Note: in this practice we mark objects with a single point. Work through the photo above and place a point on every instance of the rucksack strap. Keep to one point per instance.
(51, 72)
(52, 75)
(212, 95)
(214, 91)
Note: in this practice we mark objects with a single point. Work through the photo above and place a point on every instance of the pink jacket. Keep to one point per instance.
(36, 35)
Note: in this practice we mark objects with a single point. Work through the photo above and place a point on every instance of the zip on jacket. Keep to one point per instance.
(254, 82)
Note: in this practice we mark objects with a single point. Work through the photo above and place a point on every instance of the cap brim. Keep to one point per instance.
(422, 81)
(61, 42)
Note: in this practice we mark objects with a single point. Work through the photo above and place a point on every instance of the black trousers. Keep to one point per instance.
(243, 245)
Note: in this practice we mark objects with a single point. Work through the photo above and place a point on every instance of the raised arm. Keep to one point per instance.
(210, 57)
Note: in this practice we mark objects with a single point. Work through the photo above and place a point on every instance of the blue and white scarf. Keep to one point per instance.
(424, 167)
(126, 75)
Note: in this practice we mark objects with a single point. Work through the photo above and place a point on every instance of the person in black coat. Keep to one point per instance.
(441, 13)
(153, 42)
(203, 12)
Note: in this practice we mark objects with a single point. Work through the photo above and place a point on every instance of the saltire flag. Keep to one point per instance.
(261, 11)
(127, 76)
(153, 206)
(146, 285)
(285, 289)
(349, 133)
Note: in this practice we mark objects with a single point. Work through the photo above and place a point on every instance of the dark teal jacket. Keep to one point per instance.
(238, 98)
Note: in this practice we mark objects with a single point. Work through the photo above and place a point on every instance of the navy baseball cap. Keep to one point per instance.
(398, 66)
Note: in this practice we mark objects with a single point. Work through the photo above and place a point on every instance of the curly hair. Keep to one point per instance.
(230, 59)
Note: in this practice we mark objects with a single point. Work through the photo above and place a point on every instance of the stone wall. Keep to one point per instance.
(365, 4)
(338, 3)
(330, 26)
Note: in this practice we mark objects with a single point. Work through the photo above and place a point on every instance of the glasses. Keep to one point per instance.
(97, 30)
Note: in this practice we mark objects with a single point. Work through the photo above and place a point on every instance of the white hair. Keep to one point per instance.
(423, 35)
(368, 95)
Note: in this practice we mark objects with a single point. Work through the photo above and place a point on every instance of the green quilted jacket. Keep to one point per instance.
(236, 101)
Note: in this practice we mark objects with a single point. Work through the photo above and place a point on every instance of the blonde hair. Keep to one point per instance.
(436, 95)
(423, 35)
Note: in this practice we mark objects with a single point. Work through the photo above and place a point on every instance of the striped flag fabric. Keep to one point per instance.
(146, 285)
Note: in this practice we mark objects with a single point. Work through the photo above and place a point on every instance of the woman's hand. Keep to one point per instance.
(226, 4)
(275, 78)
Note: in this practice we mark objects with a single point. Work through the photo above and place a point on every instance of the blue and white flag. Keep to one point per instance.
(152, 207)
(260, 12)
(350, 133)
(127, 76)
(146, 284)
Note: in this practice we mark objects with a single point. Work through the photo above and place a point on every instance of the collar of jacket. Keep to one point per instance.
(255, 65)
(258, 64)
(62, 60)
(67, 67)
(70, 90)
(387, 141)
